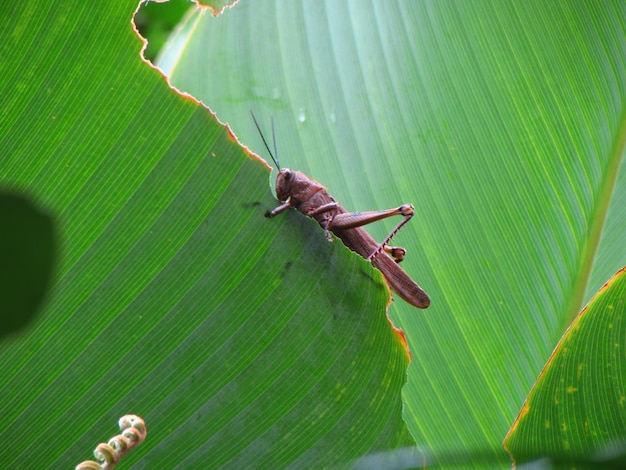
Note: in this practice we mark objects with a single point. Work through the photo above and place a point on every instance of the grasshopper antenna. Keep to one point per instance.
(274, 139)
(274, 158)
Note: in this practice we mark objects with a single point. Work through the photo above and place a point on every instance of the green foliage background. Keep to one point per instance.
(241, 339)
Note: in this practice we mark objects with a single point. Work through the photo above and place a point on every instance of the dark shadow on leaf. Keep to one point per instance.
(27, 252)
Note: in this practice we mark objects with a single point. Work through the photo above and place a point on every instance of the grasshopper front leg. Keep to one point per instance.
(349, 220)
(277, 210)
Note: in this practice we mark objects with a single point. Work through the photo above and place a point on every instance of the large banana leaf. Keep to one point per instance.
(503, 123)
(248, 341)
(173, 298)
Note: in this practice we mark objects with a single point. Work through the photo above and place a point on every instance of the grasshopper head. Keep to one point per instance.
(284, 179)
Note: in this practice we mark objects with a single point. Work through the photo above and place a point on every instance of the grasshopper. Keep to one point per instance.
(297, 190)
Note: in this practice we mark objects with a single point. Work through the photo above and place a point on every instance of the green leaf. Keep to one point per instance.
(576, 408)
(503, 123)
(175, 299)
(157, 20)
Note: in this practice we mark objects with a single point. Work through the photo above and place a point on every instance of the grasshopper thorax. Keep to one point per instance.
(295, 186)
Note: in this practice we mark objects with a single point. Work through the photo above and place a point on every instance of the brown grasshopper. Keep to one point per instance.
(297, 190)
